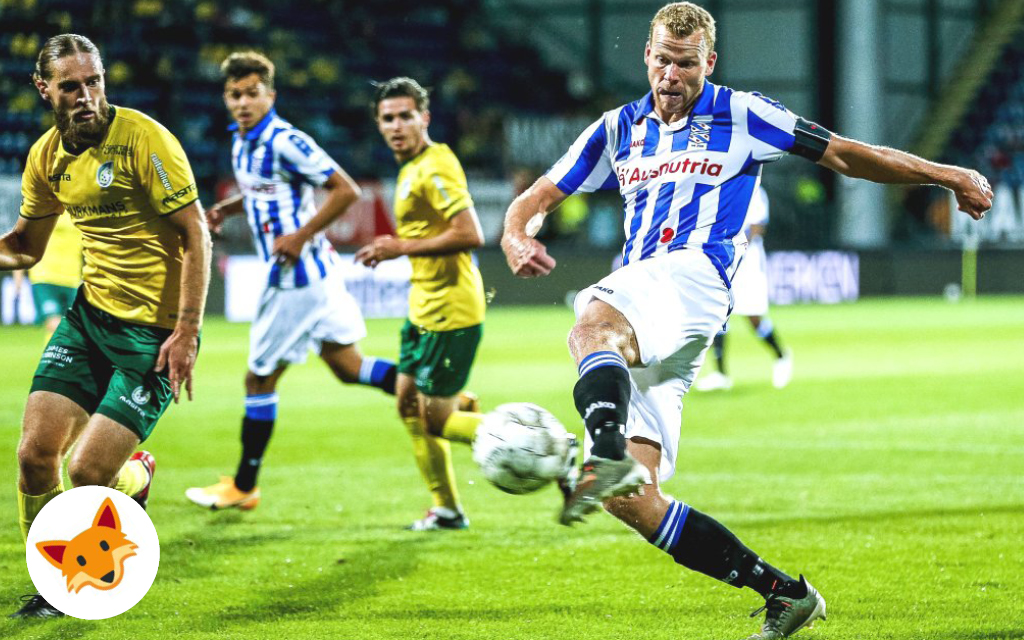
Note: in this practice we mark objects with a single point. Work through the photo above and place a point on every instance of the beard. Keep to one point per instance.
(83, 134)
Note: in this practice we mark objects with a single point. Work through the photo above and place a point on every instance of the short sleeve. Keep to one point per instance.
(37, 198)
(164, 172)
(302, 157)
(587, 166)
(446, 189)
(771, 127)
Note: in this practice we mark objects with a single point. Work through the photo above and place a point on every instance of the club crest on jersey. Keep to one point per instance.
(700, 133)
(105, 175)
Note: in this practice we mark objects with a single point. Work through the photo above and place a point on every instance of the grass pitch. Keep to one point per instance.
(889, 472)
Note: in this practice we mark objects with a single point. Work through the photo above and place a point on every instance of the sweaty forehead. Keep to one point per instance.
(76, 66)
(664, 39)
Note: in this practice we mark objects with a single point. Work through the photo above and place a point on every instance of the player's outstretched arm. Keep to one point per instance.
(527, 258)
(342, 191)
(24, 245)
(892, 166)
(464, 233)
(178, 352)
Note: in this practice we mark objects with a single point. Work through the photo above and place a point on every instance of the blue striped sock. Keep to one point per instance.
(600, 359)
(378, 372)
(667, 535)
(262, 406)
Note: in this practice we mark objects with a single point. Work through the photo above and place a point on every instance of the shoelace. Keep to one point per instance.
(773, 605)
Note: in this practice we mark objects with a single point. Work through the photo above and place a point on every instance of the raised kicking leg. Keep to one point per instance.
(604, 346)
(699, 542)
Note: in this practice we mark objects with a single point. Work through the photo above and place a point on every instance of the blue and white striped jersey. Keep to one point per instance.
(687, 185)
(276, 167)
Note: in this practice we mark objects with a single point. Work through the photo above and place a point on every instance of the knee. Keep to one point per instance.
(83, 473)
(37, 465)
(408, 405)
(588, 336)
(256, 384)
(435, 426)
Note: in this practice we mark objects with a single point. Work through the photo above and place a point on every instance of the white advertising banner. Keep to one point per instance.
(381, 293)
(826, 277)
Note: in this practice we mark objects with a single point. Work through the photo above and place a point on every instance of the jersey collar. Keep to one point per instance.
(257, 131)
(703, 106)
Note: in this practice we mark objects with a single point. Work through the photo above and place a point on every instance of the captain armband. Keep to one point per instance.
(811, 140)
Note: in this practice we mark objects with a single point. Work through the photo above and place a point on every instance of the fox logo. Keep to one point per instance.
(94, 557)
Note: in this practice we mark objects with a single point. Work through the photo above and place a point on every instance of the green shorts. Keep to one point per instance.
(52, 299)
(439, 360)
(105, 365)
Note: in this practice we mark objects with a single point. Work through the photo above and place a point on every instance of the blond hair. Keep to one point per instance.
(683, 19)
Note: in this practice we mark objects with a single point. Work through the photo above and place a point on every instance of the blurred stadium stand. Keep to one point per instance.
(514, 81)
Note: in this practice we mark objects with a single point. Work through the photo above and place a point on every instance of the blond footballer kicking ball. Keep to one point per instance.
(521, 447)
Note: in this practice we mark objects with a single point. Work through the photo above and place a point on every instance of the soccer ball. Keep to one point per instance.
(521, 447)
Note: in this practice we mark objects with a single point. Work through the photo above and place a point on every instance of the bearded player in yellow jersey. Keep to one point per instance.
(129, 342)
(437, 228)
(55, 278)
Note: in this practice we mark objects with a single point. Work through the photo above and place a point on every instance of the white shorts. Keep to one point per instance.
(675, 303)
(291, 321)
(750, 284)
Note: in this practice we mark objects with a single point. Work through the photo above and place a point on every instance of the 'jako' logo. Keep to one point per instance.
(93, 552)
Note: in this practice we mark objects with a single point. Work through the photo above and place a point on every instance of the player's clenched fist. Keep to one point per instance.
(526, 257)
(973, 193)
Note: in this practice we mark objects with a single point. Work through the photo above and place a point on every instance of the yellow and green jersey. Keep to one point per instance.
(62, 262)
(118, 193)
(447, 291)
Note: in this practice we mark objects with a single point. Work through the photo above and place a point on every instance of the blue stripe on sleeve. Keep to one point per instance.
(625, 129)
(634, 225)
(768, 133)
(586, 163)
(661, 211)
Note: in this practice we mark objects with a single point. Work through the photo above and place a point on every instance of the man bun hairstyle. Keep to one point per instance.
(400, 87)
(57, 47)
(684, 19)
(243, 63)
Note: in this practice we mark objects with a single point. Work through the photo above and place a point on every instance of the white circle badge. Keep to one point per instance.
(93, 552)
(105, 175)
